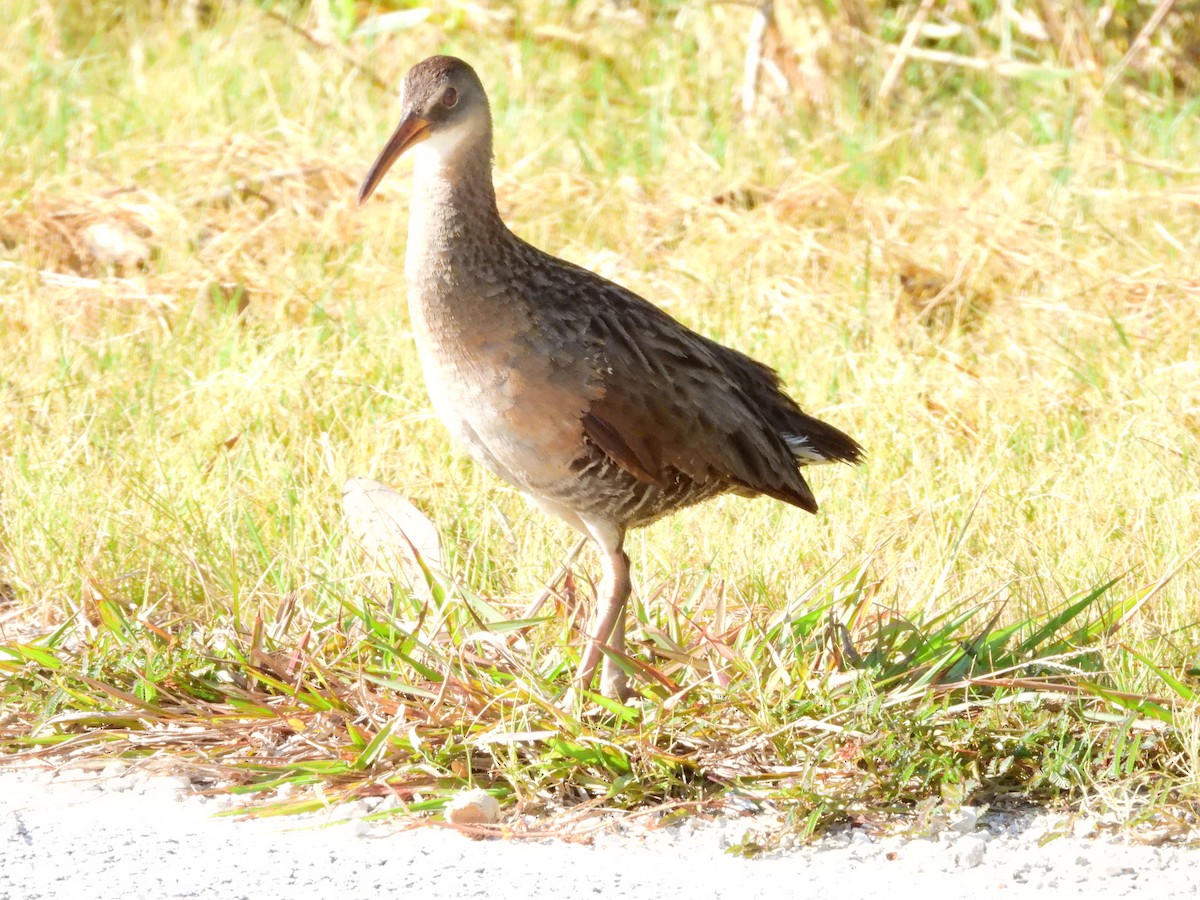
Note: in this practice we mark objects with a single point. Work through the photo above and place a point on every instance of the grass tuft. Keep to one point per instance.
(985, 273)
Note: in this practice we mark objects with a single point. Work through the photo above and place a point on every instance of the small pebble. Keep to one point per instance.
(176, 787)
(115, 769)
(970, 851)
(1086, 828)
(114, 244)
(966, 820)
(472, 807)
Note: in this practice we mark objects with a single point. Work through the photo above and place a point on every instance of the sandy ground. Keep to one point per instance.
(73, 834)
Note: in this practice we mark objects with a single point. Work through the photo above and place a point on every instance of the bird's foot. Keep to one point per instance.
(614, 683)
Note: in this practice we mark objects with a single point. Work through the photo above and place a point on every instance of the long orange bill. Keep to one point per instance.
(412, 130)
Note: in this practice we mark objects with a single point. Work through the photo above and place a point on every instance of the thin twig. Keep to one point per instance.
(252, 187)
(1083, 32)
(996, 66)
(132, 287)
(374, 77)
(1156, 165)
(755, 41)
(1140, 43)
(540, 600)
(904, 50)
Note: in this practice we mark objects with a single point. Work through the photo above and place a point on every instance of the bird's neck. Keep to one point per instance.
(453, 215)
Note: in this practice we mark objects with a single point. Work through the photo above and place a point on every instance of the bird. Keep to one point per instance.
(593, 402)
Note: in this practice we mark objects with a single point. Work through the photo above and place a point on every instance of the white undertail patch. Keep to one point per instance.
(801, 446)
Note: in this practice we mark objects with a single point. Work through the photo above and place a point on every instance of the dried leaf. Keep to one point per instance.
(395, 534)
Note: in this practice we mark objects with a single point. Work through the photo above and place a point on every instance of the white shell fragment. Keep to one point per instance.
(393, 532)
(115, 244)
(472, 807)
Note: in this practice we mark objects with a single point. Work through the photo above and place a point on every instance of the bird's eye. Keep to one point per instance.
(450, 98)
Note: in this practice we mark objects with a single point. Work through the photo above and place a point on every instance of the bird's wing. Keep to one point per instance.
(671, 399)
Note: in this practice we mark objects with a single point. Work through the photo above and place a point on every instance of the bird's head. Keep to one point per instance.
(443, 107)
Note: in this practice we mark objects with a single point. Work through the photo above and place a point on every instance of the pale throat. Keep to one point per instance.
(434, 157)
(452, 195)
(432, 197)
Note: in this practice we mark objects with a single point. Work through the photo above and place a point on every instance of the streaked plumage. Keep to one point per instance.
(596, 404)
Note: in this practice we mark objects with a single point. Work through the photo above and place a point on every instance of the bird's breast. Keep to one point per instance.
(501, 384)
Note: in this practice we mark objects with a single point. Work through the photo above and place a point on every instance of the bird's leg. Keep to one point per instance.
(613, 681)
(608, 624)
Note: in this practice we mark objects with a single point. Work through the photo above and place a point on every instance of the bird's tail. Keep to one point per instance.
(814, 442)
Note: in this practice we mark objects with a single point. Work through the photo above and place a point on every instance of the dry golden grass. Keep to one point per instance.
(995, 289)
